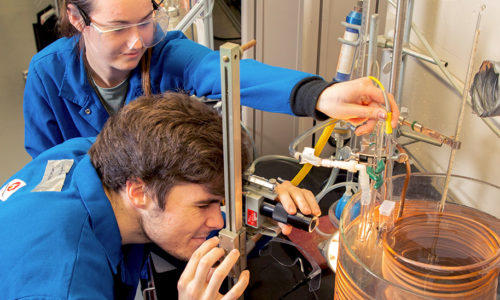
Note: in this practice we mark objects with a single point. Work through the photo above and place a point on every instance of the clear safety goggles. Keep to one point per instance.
(149, 32)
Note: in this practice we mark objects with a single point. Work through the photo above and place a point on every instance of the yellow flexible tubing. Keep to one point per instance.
(325, 135)
(388, 127)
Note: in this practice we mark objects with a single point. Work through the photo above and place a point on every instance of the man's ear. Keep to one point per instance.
(75, 18)
(136, 193)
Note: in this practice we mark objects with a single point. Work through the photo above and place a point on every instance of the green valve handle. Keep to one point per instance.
(375, 176)
(371, 173)
(380, 167)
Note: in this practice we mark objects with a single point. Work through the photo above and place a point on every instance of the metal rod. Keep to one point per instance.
(397, 50)
(232, 133)
(396, 68)
(372, 49)
(421, 138)
(359, 60)
(462, 108)
(248, 45)
(202, 6)
(406, 40)
(234, 235)
(191, 16)
(386, 43)
(422, 56)
(447, 74)
(208, 24)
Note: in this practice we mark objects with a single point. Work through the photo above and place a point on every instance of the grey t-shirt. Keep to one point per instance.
(114, 97)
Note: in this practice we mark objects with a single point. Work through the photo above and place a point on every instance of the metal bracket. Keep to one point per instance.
(233, 236)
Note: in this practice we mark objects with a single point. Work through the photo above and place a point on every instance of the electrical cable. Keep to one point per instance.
(354, 186)
(264, 158)
(388, 127)
(301, 137)
(381, 86)
(318, 231)
(405, 185)
(254, 149)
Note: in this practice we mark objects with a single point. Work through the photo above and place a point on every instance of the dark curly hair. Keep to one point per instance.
(163, 140)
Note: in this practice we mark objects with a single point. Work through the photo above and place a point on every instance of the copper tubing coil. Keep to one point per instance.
(474, 283)
(405, 184)
(476, 279)
(345, 288)
(345, 285)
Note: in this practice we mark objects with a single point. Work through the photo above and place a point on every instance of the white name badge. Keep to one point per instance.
(54, 176)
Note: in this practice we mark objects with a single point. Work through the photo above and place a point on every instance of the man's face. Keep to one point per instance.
(190, 214)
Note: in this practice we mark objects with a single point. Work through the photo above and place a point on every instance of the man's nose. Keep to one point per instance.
(214, 219)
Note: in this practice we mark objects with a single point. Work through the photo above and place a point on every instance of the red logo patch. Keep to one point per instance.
(11, 188)
(251, 218)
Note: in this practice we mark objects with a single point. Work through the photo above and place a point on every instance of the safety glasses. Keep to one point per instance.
(150, 32)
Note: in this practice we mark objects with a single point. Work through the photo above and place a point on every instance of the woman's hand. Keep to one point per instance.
(357, 101)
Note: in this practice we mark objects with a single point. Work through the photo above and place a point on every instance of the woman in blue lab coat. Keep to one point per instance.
(117, 50)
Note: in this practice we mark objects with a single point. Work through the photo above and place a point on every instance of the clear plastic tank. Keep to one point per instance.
(424, 254)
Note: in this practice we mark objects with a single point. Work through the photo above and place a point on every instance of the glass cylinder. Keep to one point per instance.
(424, 253)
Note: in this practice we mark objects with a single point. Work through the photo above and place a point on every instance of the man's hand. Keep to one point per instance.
(202, 280)
(357, 101)
(292, 197)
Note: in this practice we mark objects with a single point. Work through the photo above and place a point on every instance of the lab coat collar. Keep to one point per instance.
(128, 259)
(75, 87)
(102, 216)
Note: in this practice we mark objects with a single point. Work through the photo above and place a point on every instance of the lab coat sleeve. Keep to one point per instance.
(191, 67)
(262, 86)
(40, 127)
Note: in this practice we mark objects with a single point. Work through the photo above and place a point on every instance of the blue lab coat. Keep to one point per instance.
(63, 244)
(59, 102)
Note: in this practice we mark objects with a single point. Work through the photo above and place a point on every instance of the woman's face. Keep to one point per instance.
(116, 50)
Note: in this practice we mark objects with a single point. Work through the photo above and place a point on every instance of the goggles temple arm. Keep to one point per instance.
(84, 15)
(156, 5)
(86, 18)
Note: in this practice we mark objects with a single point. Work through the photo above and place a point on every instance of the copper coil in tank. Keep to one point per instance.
(345, 287)
(466, 232)
(442, 255)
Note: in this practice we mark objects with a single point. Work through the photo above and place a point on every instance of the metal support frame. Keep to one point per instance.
(234, 235)
(372, 49)
(201, 7)
(397, 52)
(448, 76)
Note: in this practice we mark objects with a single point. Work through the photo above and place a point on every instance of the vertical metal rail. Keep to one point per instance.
(202, 6)
(406, 41)
(397, 50)
(233, 236)
(465, 95)
(442, 64)
(397, 58)
(208, 23)
(372, 46)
